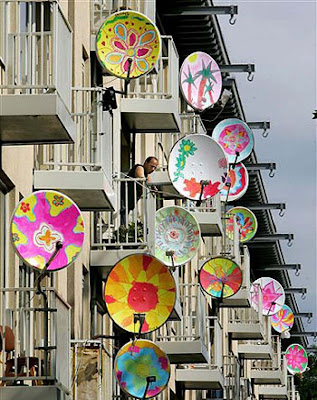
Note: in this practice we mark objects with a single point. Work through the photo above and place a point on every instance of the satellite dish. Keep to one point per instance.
(200, 80)
(128, 44)
(220, 277)
(237, 183)
(283, 320)
(177, 235)
(140, 293)
(47, 230)
(273, 295)
(197, 167)
(246, 221)
(142, 369)
(296, 359)
(234, 136)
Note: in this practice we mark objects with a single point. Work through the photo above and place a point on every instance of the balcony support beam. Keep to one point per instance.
(202, 11)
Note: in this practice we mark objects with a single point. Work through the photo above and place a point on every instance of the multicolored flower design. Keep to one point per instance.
(296, 359)
(128, 37)
(140, 284)
(238, 182)
(50, 218)
(234, 136)
(176, 230)
(138, 360)
(246, 221)
(186, 148)
(220, 277)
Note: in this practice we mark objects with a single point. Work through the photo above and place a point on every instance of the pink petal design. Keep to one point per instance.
(126, 65)
(118, 45)
(143, 51)
(132, 38)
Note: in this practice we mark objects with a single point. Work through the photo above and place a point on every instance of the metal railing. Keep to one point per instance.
(93, 147)
(102, 9)
(275, 363)
(247, 315)
(37, 49)
(133, 225)
(190, 124)
(91, 369)
(161, 82)
(291, 389)
(40, 352)
(195, 325)
(231, 375)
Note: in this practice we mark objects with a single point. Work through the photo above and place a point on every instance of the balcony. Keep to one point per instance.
(291, 392)
(36, 364)
(91, 368)
(116, 236)
(35, 102)
(83, 171)
(242, 297)
(209, 376)
(246, 323)
(151, 105)
(257, 349)
(270, 372)
(195, 338)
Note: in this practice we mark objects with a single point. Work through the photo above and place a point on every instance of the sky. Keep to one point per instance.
(279, 37)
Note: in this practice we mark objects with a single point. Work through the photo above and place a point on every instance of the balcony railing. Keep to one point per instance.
(40, 354)
(195, 325)
(37, 43)
(102, 9)
(161, 82)
(275, 363)
(92, 150)
(190, 124)
(91, 369)
(291, 389)
(132, 225)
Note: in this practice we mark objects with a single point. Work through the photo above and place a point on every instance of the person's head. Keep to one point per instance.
(150, 164)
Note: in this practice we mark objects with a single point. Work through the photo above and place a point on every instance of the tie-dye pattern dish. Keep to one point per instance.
(39, 222)
(238, 179)
(246, 221)
(283, 320)
(220, 277)
(138, 360)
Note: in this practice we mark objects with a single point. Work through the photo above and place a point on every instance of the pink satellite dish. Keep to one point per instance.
(200, 80)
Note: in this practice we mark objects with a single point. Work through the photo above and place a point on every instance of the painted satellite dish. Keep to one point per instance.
(140, 361)
(273, 296)
(296, 359)
(43, 221)
(237, 183)
(176, 231)
(200, 80)
(128, 37)
(246, 221)
(197, 167)
(220, 277)
(234, 136)
(283, 320)
(140, 284)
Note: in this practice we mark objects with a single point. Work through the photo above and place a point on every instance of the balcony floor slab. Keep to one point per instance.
(255, 351)
(90, 190)
(150, 115)
(266, 377)
(35, 119)
(273, 392)
(200, 378)
(244, 331)
(182, 352)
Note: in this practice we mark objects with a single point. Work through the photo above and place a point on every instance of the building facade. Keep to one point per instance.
(57, 133)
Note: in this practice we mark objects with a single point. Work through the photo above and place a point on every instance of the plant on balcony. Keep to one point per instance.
(127, 234)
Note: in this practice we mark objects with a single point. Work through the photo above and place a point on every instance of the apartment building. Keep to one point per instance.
(58, 133)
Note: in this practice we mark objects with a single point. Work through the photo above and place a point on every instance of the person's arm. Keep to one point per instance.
(139, 172)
